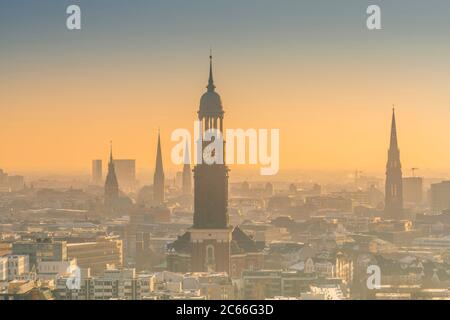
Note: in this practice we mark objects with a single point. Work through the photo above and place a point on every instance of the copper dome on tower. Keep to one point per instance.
(210, 102)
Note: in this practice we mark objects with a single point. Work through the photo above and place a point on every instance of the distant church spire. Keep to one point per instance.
(111, 184)
(110, 152)
(187, 174)
(158, 178)
(394, 184)
(211, 85)
(393, 142)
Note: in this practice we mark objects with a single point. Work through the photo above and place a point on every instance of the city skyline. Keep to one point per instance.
(334, 93)
(254, 151)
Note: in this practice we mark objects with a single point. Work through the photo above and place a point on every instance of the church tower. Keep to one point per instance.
(158, 177)
(211, 233)
(210, 180)
(394, 186)
(212, 244)
(111, 185)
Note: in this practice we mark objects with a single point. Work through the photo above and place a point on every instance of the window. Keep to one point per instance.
(210, 254)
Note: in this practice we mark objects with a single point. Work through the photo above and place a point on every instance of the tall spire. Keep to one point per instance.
(393, 143)
(159, 162)
(211, 85)
(394, 183)
(158, 177)
(210, 102)
(111, 185)
(110, 152)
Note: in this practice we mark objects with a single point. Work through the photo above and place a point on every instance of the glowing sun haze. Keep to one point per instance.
(309, 68)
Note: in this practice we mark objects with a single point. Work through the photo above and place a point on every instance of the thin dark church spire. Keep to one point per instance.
(158, 178)
(110, 152)
(393, 143)
(159, 162)
(394, 183)
(111, 185)
(211, 85)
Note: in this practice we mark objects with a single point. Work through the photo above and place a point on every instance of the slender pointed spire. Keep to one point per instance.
(110, 152)
(394, 184)
(158, 177)
(211, 85)
(111, 170)
(111, 185)
(393, 143)
(159, 162)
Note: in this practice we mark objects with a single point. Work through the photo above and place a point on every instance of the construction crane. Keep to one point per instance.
(413, 171)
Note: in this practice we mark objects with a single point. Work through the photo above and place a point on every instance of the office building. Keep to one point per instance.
(413, 191)
(3, 269)
(41, 250)
(18, 265)
(123, 284)
(440, 196)
(97, 173)
(97, 255)
(16, 183)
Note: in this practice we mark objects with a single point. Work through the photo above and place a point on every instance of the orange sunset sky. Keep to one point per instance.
(328, 88)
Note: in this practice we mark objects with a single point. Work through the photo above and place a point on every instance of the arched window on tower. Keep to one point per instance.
(210, 254)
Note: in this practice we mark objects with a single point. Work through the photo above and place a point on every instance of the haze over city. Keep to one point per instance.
(254, 151)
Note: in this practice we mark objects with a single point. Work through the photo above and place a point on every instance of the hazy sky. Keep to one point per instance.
(310, 68)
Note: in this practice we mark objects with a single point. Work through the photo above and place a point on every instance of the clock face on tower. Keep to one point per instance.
(209, 156)
(213, 152)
